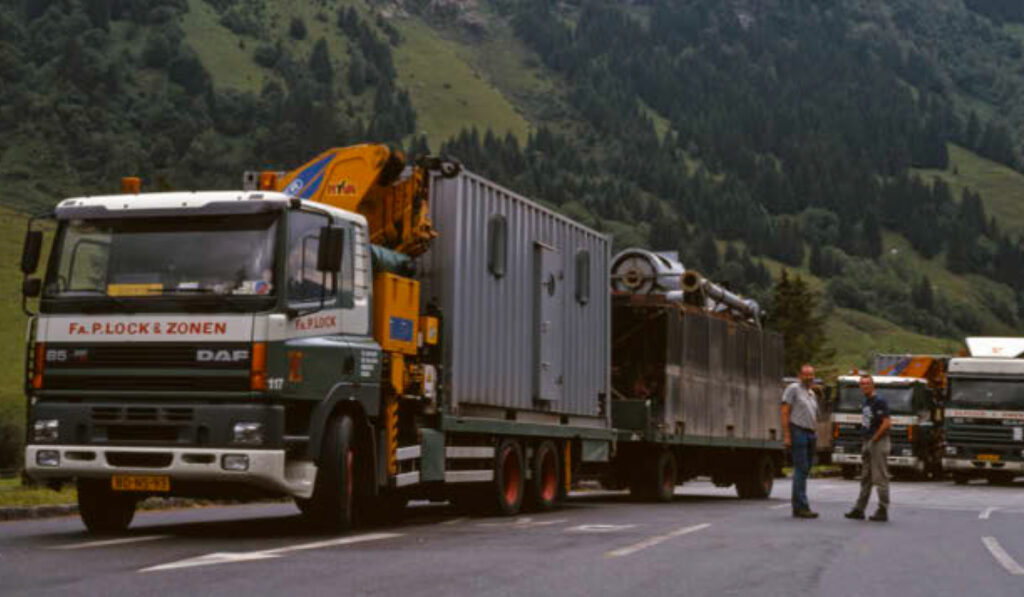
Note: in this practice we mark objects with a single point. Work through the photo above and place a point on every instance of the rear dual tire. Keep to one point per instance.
(656, 478)
(758, 481)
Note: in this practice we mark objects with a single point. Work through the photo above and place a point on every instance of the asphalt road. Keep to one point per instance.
(943, 540)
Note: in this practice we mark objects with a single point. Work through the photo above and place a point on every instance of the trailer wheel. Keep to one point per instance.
(758, 481)
(849, 471)
(1001, 478)
(509, 477)
(656, 479)
(960, 478)
(543, 491)
(103, 510)
(332, 505)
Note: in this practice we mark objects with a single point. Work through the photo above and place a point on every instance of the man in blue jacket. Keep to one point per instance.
(875, 452)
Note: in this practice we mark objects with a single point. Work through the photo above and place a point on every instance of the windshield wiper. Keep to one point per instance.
(225, 299)
(107, 299)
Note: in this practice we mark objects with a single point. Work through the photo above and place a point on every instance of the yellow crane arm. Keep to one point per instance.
(368, 179)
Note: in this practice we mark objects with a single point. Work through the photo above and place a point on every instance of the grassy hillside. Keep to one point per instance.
(1002, 188)
(445, 79)
(12, 322)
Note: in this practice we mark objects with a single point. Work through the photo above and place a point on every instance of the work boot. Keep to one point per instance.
(880, 515)
(804, 514)
(855, 514)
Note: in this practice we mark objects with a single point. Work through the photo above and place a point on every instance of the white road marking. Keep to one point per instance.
(986, 513)
(651, 542)
(453, 521)
(523, 523)
(779, 506)
(1002, 557)
(248, 556)
(109, 542)
(600, 528)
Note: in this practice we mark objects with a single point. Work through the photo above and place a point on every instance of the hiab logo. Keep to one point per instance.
(342, 187)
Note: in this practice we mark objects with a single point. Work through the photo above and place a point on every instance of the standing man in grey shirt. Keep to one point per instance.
(799, 422)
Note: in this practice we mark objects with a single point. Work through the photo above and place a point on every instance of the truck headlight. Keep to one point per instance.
(234, 462)
(248, 434)
(908, 452)
(46, 430)
(48, 458)
(950, 450)
(838, 449)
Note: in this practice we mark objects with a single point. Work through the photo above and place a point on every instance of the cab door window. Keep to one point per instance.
(305, 283)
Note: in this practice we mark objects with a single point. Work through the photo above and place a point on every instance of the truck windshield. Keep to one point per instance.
(900, 400)
(987, 393)
(200, 258)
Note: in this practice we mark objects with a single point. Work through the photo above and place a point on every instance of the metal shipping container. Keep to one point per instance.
(705, 377)
(525, 303)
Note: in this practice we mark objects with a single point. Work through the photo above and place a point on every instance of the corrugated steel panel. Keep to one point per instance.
(492, 329)
(722, 379)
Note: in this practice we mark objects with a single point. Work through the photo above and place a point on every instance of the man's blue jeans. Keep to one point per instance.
(804, 443)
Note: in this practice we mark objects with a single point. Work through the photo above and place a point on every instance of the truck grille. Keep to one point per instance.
(137, 460)
(149, 356)
(115, 414)
(155, 382)
(979, 434)
(142, 433)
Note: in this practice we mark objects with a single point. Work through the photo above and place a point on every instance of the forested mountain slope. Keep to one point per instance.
(872, 145)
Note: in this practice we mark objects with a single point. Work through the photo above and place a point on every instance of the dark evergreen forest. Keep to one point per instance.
(789, 129)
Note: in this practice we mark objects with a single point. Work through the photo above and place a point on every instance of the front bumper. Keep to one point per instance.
(268, 469)
(968, 465)
(846, 458)
(912, 462)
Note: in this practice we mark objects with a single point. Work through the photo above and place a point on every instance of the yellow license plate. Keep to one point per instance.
(140, 483)
(988, 457)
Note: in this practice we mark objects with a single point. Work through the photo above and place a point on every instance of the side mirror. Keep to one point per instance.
(31, 288)
(30, 251)
(332, 243)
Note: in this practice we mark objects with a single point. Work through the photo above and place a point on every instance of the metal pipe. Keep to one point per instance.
(693, 282)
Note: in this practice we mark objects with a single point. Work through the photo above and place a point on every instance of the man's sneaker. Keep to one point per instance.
(804, 514)
(880, 515)
(855, 514)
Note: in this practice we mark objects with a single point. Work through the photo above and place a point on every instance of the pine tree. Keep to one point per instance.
(795, 315)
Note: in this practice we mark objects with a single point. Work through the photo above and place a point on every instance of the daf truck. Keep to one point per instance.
(356, 333)
(984, 419)
(914, 386)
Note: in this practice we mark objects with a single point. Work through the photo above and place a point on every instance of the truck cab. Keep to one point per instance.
(185, 344)
(914, 433)
(984, 420)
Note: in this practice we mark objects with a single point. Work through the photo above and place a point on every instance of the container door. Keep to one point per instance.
(549, 329)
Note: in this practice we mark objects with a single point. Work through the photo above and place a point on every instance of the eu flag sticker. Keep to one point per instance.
(401, 329)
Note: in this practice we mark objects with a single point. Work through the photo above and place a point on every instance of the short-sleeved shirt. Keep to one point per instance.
(873, 412)
(803, 406)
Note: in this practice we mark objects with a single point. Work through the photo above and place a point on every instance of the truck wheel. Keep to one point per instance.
(509, 477)
(758, 481)
(332, 505)
(849, 471)
(656, 479)
(1001, 478)
(103, 510)
(543, 489)
(960, 478)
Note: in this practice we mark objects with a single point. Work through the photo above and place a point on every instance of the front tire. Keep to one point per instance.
(849, 471)
(332, 506)
(103, 510)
